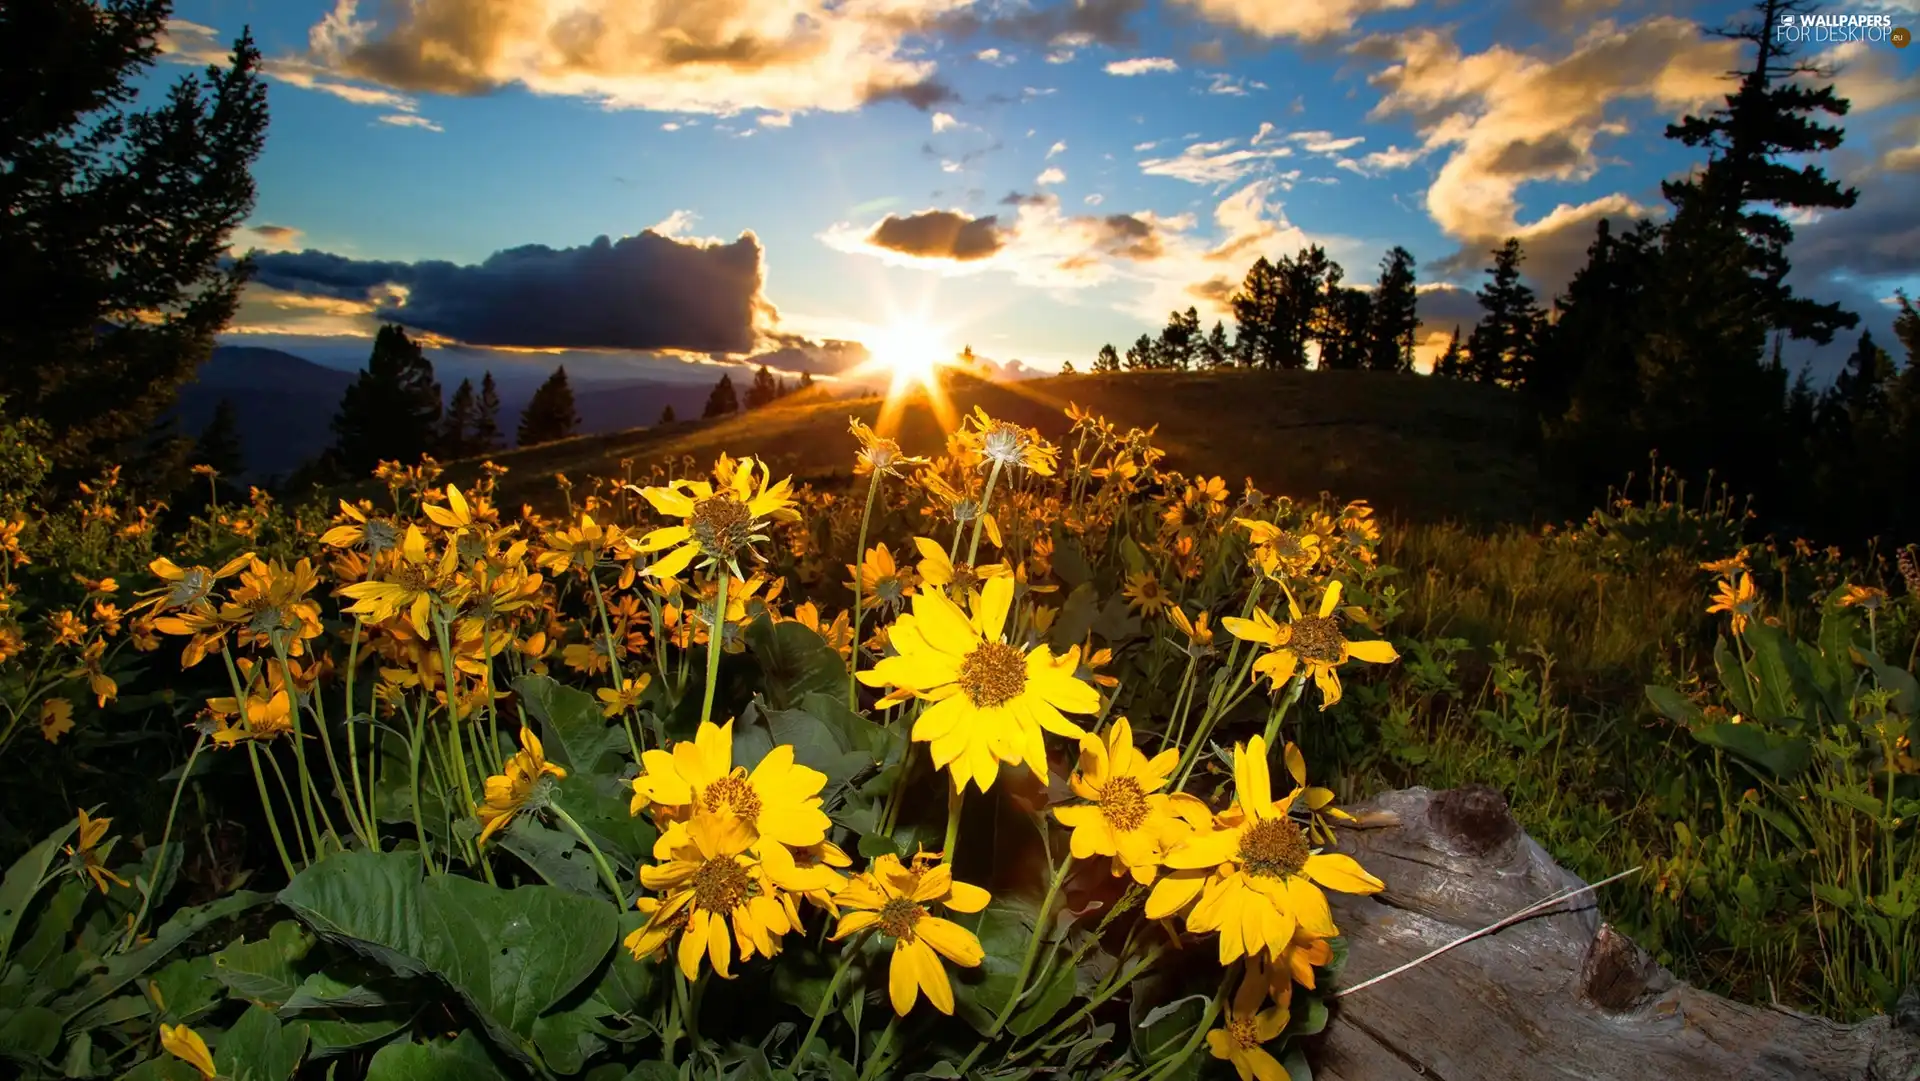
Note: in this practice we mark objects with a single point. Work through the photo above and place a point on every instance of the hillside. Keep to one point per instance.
(1419, 449)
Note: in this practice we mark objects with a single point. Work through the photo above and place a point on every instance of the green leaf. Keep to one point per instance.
(568, 1038)
(327, 991)
(187, 988)
(794, 660)
(1733, 677)
(818, 745)
(1076, 617)
(628, 985)
(1048, 1001)
(463, 1058)
(122, 968)
(22, 883)
(1780, 754)
(603, 807)
(118, 1010)
(367, 901)
(654, 1071)
(330, 1036)
(1675, 706)
(29, 1033)
(47, 952)
(1309, 1016)
(1906, 690)
(572, 729)
(555, 856)
(1779, 671)
(263, 971)
(1003, 928)
(1069, 561)
(259, 1048)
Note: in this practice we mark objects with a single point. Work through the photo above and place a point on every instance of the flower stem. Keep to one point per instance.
(1279, 717)
(613, 658)
(826, 1000)
(980, 519)
(1026, 962)
(1172, 1065)
(160, 853)
(860, 561)
(956, 800)
(879, 1057)
(716, 630)
(599, 860)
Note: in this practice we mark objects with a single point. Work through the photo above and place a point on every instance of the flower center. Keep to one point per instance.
(412, 578)
(736, 794)
(890, 589)
(721, 885)
(965, 579)
(898, 916)
(882, 453)
(380, 535)
(1123, 804)
(1315, 638)
(1274, 848)
(1244, 1032)
(993, 674)
(1005, 443)
(1287, 545)
(191, 587)
(722, 524)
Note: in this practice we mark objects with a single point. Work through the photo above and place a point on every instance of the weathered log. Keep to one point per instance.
(1558, 995)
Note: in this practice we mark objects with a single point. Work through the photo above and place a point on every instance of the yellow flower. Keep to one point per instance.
(877, 453)
(990, 700)
(376, 535)
(895, 900)
(185, 1044)
(778, 801)
(1127, 817)
(1313, 646)
(839, 633)
(1144, 593)
(56, 719)
(958, 579)
(880, 578)
(189, 585)
(717, 523)
(1199, 634)
(1735, 562)
(1247, 1027)
(1255, 873)
(1737, 598)
(1317, 799)
(1281, 553)
(508, 792)
(267, 717)
(1870, 598)
(710, 879)
(88, 856)
(414, 578)
(1008, 444)
(579, 547)
(626, 697)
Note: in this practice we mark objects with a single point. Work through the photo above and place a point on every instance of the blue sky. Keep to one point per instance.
(1133, 156)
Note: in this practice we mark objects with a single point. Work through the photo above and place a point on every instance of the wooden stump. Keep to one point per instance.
(1559, 995)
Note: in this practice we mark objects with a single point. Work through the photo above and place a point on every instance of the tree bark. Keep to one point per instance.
(1560, 994)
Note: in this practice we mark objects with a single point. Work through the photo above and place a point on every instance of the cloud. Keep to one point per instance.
(1070, 26)
(1053, 175)
(1057, 148)
(774, 120)
(993, 56)
(410, 120)
(1142, 65)
(1094, 199)
(944, 122)
(796, 354)
(938, 234)
(1303, 20)
(1323, 142)
(714, 56)
(184, 42)
(1879, 238)
(645, 292)
(1507, 118)
(1214, 163)
(264, 237)
(674, 225)
(1232, 85)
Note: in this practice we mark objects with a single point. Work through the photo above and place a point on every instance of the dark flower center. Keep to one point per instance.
(1315, 638)
(1274, 848)
(734, 793)
(722, 525)
(1123, 804)
(721, 885)
(898, 916)
(993, 674)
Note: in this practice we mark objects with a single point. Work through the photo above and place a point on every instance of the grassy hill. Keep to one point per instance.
(1419, 449)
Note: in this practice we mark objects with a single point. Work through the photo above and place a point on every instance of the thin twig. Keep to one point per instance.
(1530, 910)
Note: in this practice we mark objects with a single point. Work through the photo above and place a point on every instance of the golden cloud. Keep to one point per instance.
(1304, 20)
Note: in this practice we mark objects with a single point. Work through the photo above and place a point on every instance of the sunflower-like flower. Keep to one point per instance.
(1866, 598)
(271, 606)
(1256, 876)
(1198, 634)
(411, 581)
(778, 801)
(186, 1045)
(1127, 817)
(958, 579)
(361, 530)
(1312, 646)
(89, 855)
(881, 579)
(896, 900)
(1247, 1028)
(877, 453)
(1007, 444)
(990, 700)
(710, 877)
(1145, 594)
(717, 522)
(187, 586)
(1282, 553)
(509, 792)
(1739, 599)
(262, 717)
(1319, 801)
(617, 700)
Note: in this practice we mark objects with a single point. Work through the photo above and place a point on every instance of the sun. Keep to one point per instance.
(913, 352)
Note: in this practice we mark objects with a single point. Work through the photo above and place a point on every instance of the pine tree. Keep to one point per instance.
(1503, 344)
(724, 401)
(1744, 185)
(1067, 368)
(666, 416)
(765, 390)
(1143, 354)
(456, 427)
(486, 423)
(219, 444)
(392, 411)
(806, 380)
(1395, 314)
(1180, 341)
(1258, 312)
(549, 415)
(1452, 363)
(1346, 329)
(1107, 361)
(1585, 381)
(114, 234)
(1307, 281)
(1215, 352)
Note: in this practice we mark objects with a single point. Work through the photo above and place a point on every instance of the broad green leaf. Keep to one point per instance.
(122, 968)
(571, 727)
(1675, 706)
(367, 901)
(1076, 617)
(794, 660)
(327, 991)
(116, 1010)
(603, 806)
(568, 1038)
(463, 1058)
(22, 883)
(628, 985)
(185, 989)
(1906, 690)
(817, 745)
(1778, 672)
(654, 1071)
(556, 857)
(1309, 1015)
(162, 1067)
(263, 971)
(259, 1048)
(47, 952)
(328, 1036)
(1004, 927)
(1779, 754)
(1069, 561)
(855, 731)
(1733, 678)
(32, 1032)
(1041, 1007)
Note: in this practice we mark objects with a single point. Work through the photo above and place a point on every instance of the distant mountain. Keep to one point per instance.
(286, 403)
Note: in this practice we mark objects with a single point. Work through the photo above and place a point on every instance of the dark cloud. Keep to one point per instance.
(640, 292)
(1041, 198)
(1108, 22)
(276, 232)
(1130, 237)
(922, 95)
(940, 234)
(796, 354)
(1878, 238)
(1531, 157)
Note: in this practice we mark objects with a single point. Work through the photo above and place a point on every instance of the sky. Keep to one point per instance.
(647, 187)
